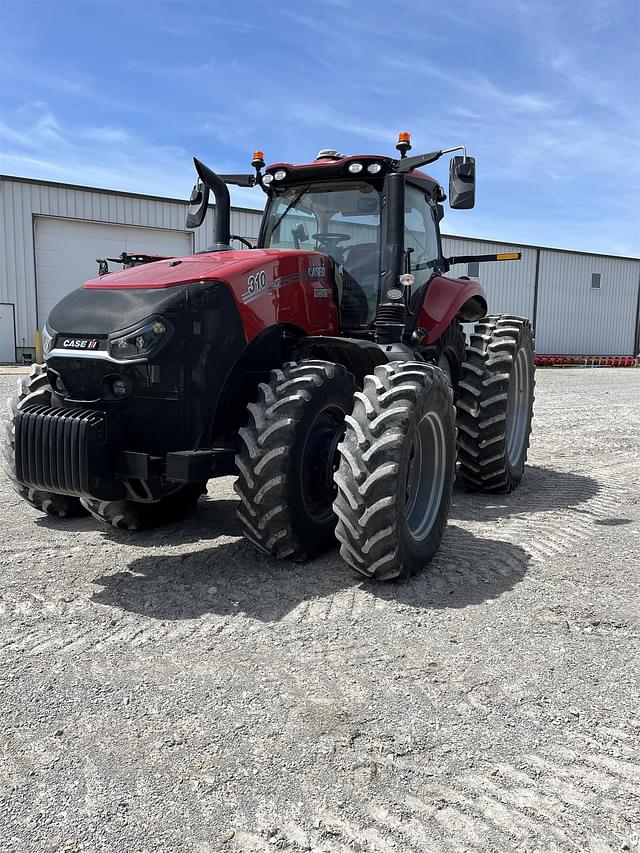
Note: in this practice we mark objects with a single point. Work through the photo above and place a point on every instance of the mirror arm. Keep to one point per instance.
(483, 259)
(456, 148)
(408, 164)
(240, 180)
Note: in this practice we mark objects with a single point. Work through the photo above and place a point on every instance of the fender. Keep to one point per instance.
(359, 355)
(447, 299)
(267, 351)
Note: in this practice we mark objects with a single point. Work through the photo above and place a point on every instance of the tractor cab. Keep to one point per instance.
(337, 205)
(375, 217)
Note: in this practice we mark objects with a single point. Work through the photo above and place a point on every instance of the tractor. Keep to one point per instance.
(326, 368)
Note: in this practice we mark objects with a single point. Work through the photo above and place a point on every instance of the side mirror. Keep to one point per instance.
(462, 183)
(299, 235)
(198, 204)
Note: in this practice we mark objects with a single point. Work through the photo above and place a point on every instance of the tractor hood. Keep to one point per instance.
(176, 271)
(117, 300)
(260, 282)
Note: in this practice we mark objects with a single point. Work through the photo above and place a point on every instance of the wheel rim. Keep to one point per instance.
(426, 475)
(517, 422)
(319, 462)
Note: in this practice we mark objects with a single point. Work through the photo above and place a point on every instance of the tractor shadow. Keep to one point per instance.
(541, 489)
(233, 579)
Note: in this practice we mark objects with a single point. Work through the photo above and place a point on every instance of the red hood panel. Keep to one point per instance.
(175, 271)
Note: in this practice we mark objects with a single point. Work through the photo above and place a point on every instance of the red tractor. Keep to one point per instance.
(325, 368)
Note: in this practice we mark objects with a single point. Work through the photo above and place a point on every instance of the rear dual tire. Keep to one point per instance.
(495, 406)
(448, 353)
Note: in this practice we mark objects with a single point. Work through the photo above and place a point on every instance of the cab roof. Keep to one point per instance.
(336, 167)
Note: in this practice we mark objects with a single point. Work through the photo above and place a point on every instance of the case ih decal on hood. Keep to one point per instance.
(80, 343)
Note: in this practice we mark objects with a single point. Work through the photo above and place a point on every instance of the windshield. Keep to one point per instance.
(343, 221)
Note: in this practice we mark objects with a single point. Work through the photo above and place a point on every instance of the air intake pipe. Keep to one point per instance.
(391, 316)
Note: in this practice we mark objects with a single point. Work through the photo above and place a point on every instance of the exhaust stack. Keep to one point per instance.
(211, 182)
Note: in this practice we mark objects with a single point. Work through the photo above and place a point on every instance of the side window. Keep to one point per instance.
(420, 230)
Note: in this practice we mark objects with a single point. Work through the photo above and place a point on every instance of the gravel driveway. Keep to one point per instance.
(177, 691)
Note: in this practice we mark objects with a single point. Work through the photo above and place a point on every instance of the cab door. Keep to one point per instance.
(421, 242)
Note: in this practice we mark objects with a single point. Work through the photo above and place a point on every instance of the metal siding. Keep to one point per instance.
(568, 321)
(576, 319)
(509, 284)
(20, 202)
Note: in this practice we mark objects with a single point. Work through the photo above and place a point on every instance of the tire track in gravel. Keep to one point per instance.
(544, 798)
(467, 560)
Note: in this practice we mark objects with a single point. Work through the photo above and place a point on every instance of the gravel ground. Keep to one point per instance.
(177, 691)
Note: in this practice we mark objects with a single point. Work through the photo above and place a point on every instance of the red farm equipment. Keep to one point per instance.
(325, 368)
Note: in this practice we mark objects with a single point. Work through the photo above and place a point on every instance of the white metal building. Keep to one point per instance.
(52, 233)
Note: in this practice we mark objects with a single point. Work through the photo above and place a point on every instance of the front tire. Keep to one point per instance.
(287, 461)
(396, 471)
(133, 515)
(34, 388)
(495, 407)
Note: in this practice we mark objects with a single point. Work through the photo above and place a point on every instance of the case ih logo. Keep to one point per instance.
(80, 343)
(317, 271)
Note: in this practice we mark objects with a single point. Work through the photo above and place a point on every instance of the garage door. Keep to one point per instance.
(66, 252)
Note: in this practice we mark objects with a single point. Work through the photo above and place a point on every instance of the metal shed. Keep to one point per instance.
(580, 303)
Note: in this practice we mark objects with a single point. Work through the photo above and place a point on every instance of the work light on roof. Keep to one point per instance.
(404, 143)
(280, 175)
(374, 168)
(267, 179)
(354, 168)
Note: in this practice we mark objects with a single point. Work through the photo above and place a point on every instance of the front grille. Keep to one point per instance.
(63, 450)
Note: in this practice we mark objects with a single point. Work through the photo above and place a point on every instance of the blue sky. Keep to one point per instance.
(545, 94)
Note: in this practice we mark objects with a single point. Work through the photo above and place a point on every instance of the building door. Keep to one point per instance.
(7, 334)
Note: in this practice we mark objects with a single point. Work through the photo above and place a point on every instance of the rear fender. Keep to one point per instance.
(448, 299)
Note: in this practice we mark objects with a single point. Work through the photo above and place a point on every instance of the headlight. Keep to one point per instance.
(140, 342)
(354, 168)
(47, 340)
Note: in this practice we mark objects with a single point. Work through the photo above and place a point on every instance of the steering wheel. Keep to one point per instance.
(327, 237)
(240, 240)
